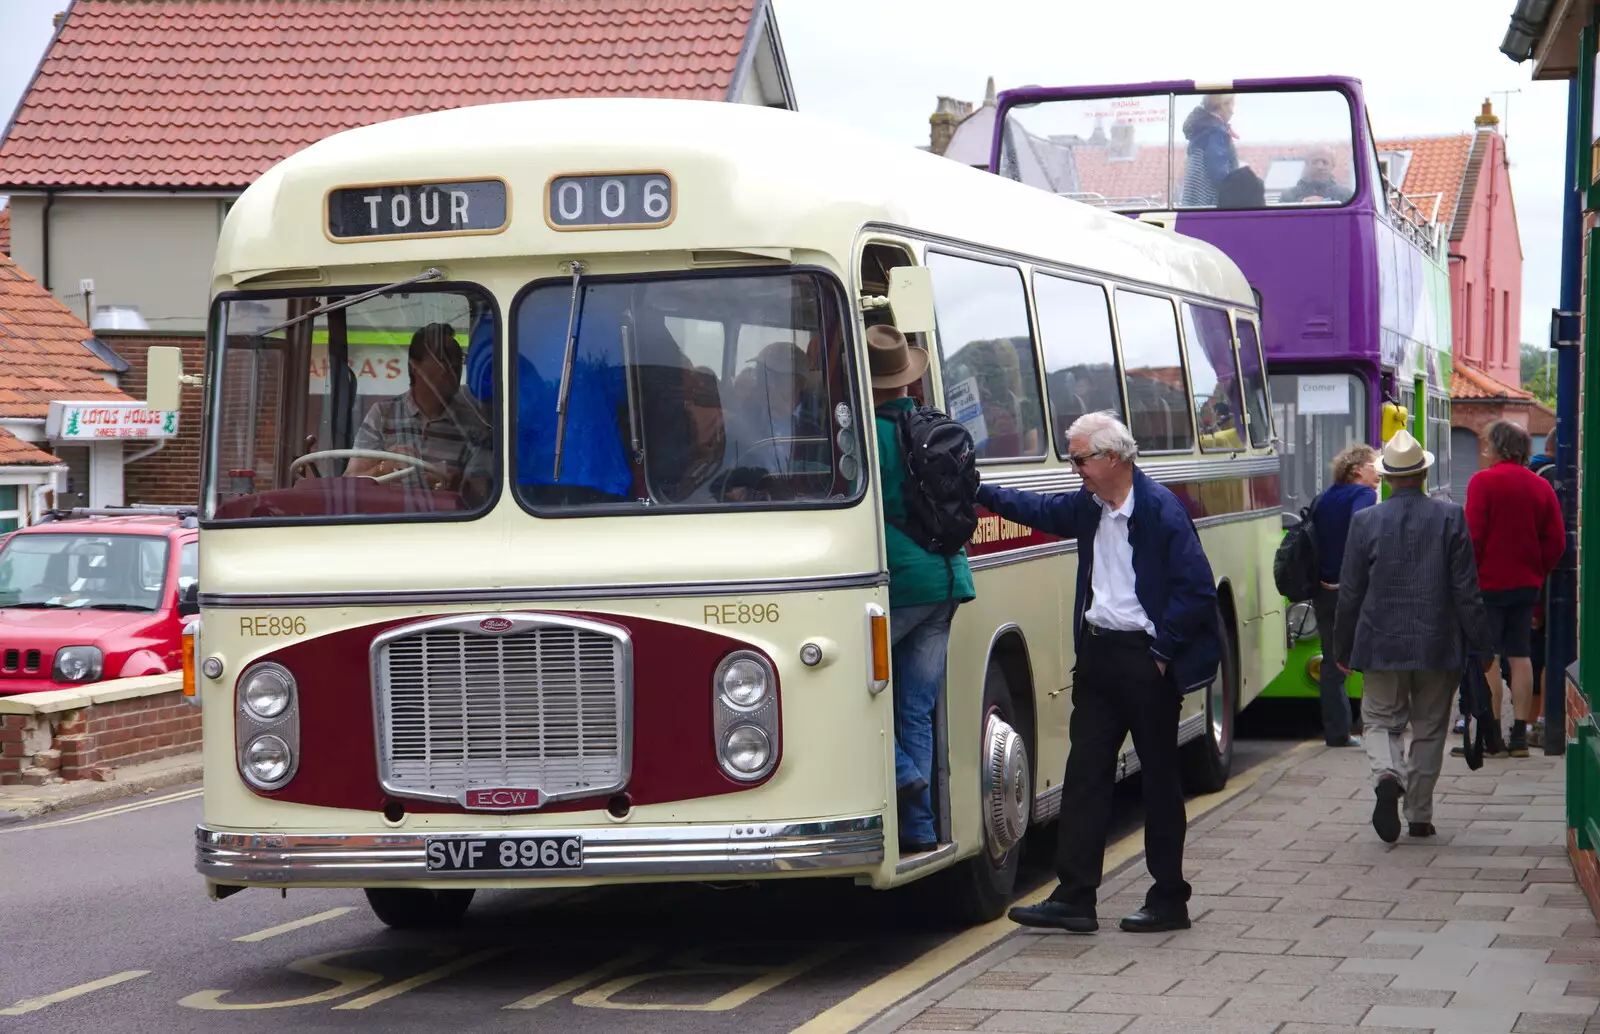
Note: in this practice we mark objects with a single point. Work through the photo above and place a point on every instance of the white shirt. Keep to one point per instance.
(1115, 606)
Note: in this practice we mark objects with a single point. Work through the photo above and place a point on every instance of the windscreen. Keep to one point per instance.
(380, 409)
(83, 571)
(718, 391)
(1189, 150)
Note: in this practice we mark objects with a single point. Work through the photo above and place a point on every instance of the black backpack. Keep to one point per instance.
(941, 486)
(1295, 566)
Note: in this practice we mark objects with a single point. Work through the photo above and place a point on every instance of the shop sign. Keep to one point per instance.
(86, 421)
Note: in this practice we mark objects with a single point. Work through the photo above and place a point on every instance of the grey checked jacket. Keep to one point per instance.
(1408, 591)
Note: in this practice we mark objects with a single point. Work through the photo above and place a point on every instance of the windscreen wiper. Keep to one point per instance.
(431, 273)
(568, 358)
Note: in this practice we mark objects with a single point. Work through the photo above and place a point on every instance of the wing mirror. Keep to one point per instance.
(189, 597)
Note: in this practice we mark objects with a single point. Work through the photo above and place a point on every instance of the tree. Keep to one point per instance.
(1539, 373)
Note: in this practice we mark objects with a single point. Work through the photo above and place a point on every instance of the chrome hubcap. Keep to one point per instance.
(1007, 786)
(1217, 712)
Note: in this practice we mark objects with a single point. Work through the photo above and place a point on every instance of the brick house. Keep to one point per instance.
(48, 354)
(145, 120)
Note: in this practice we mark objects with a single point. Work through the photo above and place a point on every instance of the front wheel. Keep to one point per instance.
(1206, 761)
(411, 908)
(983, 884)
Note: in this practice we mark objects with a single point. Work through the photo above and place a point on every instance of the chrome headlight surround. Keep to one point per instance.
(87, 661)
(744, 693)
(1300, 622)
(258, 734)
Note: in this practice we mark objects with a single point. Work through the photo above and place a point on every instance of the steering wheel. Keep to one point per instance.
(370, 454)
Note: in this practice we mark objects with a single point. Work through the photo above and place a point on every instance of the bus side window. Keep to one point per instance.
(1158, 397)
(1080, 358)
(1251, 368)
(991, 383)
(1213, 378)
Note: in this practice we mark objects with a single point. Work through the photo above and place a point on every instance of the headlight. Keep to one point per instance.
(267, 761)
(747, 749)
(267, 690)
(77, 664)
(743, 681)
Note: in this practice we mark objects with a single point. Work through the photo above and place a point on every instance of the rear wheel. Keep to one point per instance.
(983, 884)
(1207, 761)
(410, 908)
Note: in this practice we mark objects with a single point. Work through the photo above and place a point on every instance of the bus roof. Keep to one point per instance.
(743, 178)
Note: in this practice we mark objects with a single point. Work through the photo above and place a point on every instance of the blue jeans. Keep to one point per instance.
(919, 636)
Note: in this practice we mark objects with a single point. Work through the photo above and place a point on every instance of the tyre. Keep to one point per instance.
(982, 885)
(408, 908)
(1206, 761)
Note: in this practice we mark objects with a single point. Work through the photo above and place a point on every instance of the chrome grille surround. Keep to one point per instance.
(503, 700)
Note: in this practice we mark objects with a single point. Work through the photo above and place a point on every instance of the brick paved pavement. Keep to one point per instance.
(1306, 923)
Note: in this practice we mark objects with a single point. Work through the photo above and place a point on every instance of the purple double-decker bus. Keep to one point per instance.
(1284, 176)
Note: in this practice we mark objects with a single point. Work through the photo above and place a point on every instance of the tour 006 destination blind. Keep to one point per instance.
(598, 201)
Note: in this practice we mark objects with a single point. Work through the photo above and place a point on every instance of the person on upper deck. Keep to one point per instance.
(434, 421)
(1211, 153)
(1317, 182)
(1354, 488)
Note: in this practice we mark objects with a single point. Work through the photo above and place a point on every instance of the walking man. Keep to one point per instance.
(1145, 633)
(1517, 540)
(1409, 614)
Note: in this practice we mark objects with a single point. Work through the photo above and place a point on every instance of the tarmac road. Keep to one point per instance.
(106, 927)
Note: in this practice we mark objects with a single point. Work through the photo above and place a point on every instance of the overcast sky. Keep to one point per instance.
(879, 65)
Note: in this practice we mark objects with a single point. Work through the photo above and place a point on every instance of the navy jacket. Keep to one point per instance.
(1171, 575)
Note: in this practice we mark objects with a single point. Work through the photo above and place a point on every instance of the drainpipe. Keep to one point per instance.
(136, 457)
(1561, 620)
(44, 233)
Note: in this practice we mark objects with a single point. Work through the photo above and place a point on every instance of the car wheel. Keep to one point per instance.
(983, 884)
(1206, 761)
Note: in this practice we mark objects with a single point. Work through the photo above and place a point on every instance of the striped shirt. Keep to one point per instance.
(457, 440)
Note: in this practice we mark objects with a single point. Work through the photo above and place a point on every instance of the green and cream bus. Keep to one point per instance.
(594, 591)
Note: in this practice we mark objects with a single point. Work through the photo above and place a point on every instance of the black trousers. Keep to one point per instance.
(1119, 689)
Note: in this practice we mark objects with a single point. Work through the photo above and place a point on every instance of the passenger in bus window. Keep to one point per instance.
(1145, 633)
(924, 590)
(1354, 488)
(433, 421)
(1211, 153)
(1317, 180)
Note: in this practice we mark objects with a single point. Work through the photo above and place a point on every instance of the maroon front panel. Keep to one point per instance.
(674, 755)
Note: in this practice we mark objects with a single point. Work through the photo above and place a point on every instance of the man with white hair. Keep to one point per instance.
(1145, 633)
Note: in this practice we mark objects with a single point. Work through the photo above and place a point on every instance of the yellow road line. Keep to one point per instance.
(412, 983)
(28, 1005)
(273, 931)
(868, 1002)
(105, 813)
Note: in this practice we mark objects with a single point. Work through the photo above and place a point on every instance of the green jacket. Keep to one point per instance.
(916, 576)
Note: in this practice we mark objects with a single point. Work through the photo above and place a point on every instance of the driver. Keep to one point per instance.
(434, 421)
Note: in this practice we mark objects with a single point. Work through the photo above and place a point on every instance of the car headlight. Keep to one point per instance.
(77, 664)
(267, 690)
(747, 749)
(742, 679)
(267, 761)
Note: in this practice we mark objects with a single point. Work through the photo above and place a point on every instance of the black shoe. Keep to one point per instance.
(1386, 813)
(1517, 746)
(1422, 829)
(911, 847)
(911, 791)
(1156, 920)
(1055, 915)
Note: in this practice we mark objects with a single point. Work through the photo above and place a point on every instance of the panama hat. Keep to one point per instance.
(1403, 456)
(894, 362)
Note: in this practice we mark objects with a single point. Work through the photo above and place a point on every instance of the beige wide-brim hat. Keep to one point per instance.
(894, 362)
(1403, 456)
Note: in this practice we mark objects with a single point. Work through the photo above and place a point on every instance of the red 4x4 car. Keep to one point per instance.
(85, 598)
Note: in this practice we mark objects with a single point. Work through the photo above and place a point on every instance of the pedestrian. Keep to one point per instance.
(1210, 154)
(1408, 616)
(1145, 633)
(1354, 488)
(1517, 540)
(1543, 464)
(924, 590)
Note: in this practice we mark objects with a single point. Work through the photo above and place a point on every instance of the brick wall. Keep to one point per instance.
(84, 742)
(171, 476)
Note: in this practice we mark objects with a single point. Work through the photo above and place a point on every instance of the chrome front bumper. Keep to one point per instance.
(747, 849)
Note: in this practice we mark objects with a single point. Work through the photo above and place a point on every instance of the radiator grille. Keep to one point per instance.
(541, 707)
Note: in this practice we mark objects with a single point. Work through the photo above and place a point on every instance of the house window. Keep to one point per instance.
(10, 508)
(1466, 334)
(1505, 324)
(1488, 332)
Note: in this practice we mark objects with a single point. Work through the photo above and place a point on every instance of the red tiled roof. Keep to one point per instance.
(5, 230)
(42, 355)
(1438, 166)
(1144, 173)
(210, 93)
(14, 452)
(1469, 382)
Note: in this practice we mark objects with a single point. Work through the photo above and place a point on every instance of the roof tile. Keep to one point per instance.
(42, 355)
(5, 230)
(1438, 166)
(1469, 382)
(14, 452)
(205, 93)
